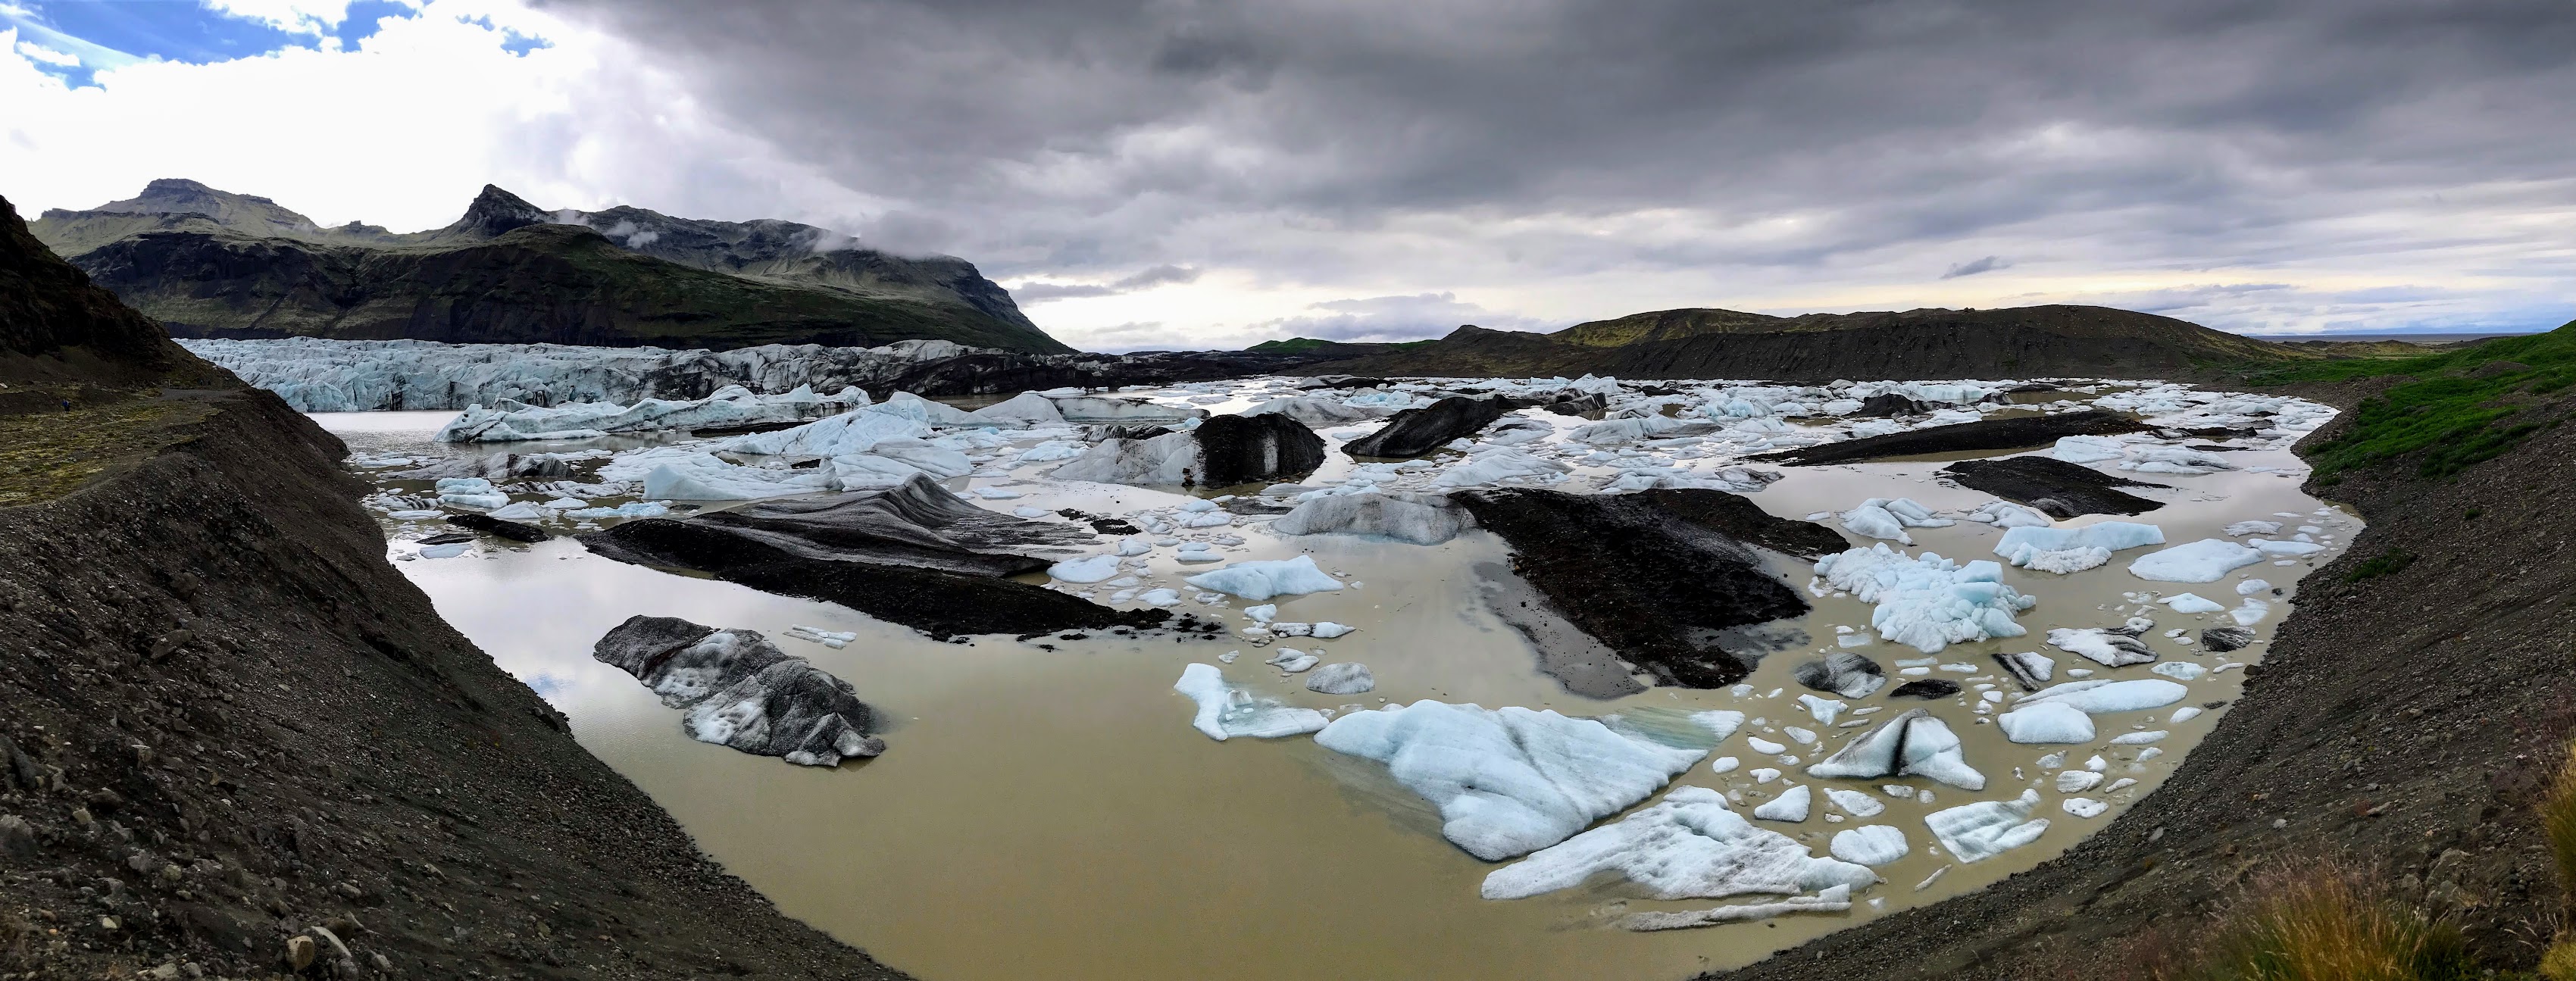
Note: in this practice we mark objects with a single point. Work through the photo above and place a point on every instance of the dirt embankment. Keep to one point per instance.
(237, 736)
(2406, 716)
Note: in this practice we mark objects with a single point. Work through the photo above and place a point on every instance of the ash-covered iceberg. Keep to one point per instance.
(737, 689)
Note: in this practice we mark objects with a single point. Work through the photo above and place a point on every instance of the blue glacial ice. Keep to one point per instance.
(2206, 560)
(1261, 580)
(1226, 711)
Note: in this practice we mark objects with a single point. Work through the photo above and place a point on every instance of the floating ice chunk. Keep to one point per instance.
(1292, 660)
(834, 639)
(2192, 603)
(1871, 844)
(2252, 587)
(1264, 613)
(1132, 546)
(1026, 408)
(2077, 781)
(1497, 466)
(1508, 781)
(1761, 745)
(1262, 580)
(447, 551)
(2243, 528)
(2251, 612)
(1053, 450)
(1928, 602)
(1875, 522)
(1405, 518)
(1088, 570)
(1854, 802)
(2206, 560)
(2097, 696)
(2270, 547)
(2047, 722)
(1803, 737)
(2028, 667)
(631, 509)
(1720, 722)
(1724, 764)
(1160, 597)
(2083, 807)
(1791, 806)
(2088, 449)
(2108, 648)
(2185, 714)
(2180, 670)
(1823, 710)
(1688, 845)
(2006, 514)
(2046, 548)
(1912, 744)
(2138, 738)
(1843, 673)
(1835, 899)
(1979, 831)
(1764, 774)
(1226, 711)
(1327, 630)
(521, 511)
(842, 435)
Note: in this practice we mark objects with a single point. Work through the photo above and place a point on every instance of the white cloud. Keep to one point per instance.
(47, 55)
(293, 16)
(405, 130)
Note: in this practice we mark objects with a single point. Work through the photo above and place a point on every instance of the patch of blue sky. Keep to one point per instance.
(75, 40)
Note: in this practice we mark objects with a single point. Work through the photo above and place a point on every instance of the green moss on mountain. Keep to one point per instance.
(2459, 407)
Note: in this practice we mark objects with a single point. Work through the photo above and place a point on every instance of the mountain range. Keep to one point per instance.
(1913, 344)
(210, 263)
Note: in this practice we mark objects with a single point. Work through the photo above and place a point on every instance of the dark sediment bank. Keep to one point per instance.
(2063, 490)
(2017, 433)
(1610, 566)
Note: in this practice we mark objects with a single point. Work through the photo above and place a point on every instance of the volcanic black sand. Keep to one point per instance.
(2016, 433)
(2407, 719)
(2063, 490)
(235, 734)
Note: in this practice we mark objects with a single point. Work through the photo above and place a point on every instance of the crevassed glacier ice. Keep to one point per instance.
(1979, 831)
(2032, 547)
(508, 420)
(323, 375)
(1508, 781)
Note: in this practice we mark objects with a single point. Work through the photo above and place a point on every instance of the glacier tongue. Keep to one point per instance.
(509, 420)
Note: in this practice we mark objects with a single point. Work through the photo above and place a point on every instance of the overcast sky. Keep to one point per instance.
(1162, 174)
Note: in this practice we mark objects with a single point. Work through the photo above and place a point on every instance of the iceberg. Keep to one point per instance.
(1987, 828)
(2206, 560)
(1402, 517)
(1261, 580)
(1871, 845)
(733, 405)
(2047, 549)
(1928, 602)
(1225, 711)
(1508, 781)
(1913, 743)
(1790, 807)
(848, 433)
(2089, 449)
(1687, 846)
(2100, 695)
(2046, 722)
(1024, 409)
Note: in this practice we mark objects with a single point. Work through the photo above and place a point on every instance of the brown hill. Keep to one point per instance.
(2041, 341)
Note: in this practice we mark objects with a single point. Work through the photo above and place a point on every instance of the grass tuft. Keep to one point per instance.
(2330, 921)
(2558, 823)
(2386, 563)
(2559, 964)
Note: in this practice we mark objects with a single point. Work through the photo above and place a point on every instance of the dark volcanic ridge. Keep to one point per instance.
(208, 263)
(1913, 345)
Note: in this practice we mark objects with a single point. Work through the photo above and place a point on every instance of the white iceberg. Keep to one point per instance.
(2046, 722)
(2096, 696)
(1261, 580)
(1871, 845)
(2206, 560)
(1979, 831)
(1225, 711)
(1508, 781)
(1687, 846)
(1913, 743)
(1930, 602)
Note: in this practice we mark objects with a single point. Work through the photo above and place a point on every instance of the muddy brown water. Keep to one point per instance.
(1054, 811)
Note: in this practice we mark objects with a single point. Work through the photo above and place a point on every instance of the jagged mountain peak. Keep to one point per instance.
(495, 211)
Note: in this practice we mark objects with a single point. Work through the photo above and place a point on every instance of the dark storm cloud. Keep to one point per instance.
(1039, 292)
(1080, 137)
(1975, 266)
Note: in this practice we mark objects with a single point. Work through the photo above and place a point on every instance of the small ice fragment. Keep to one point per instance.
(1792, 805)
(2083, 807)
(2076, 781)
(1872, 845)
(1761, 745)
(2138, 738)
(1724, 764)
